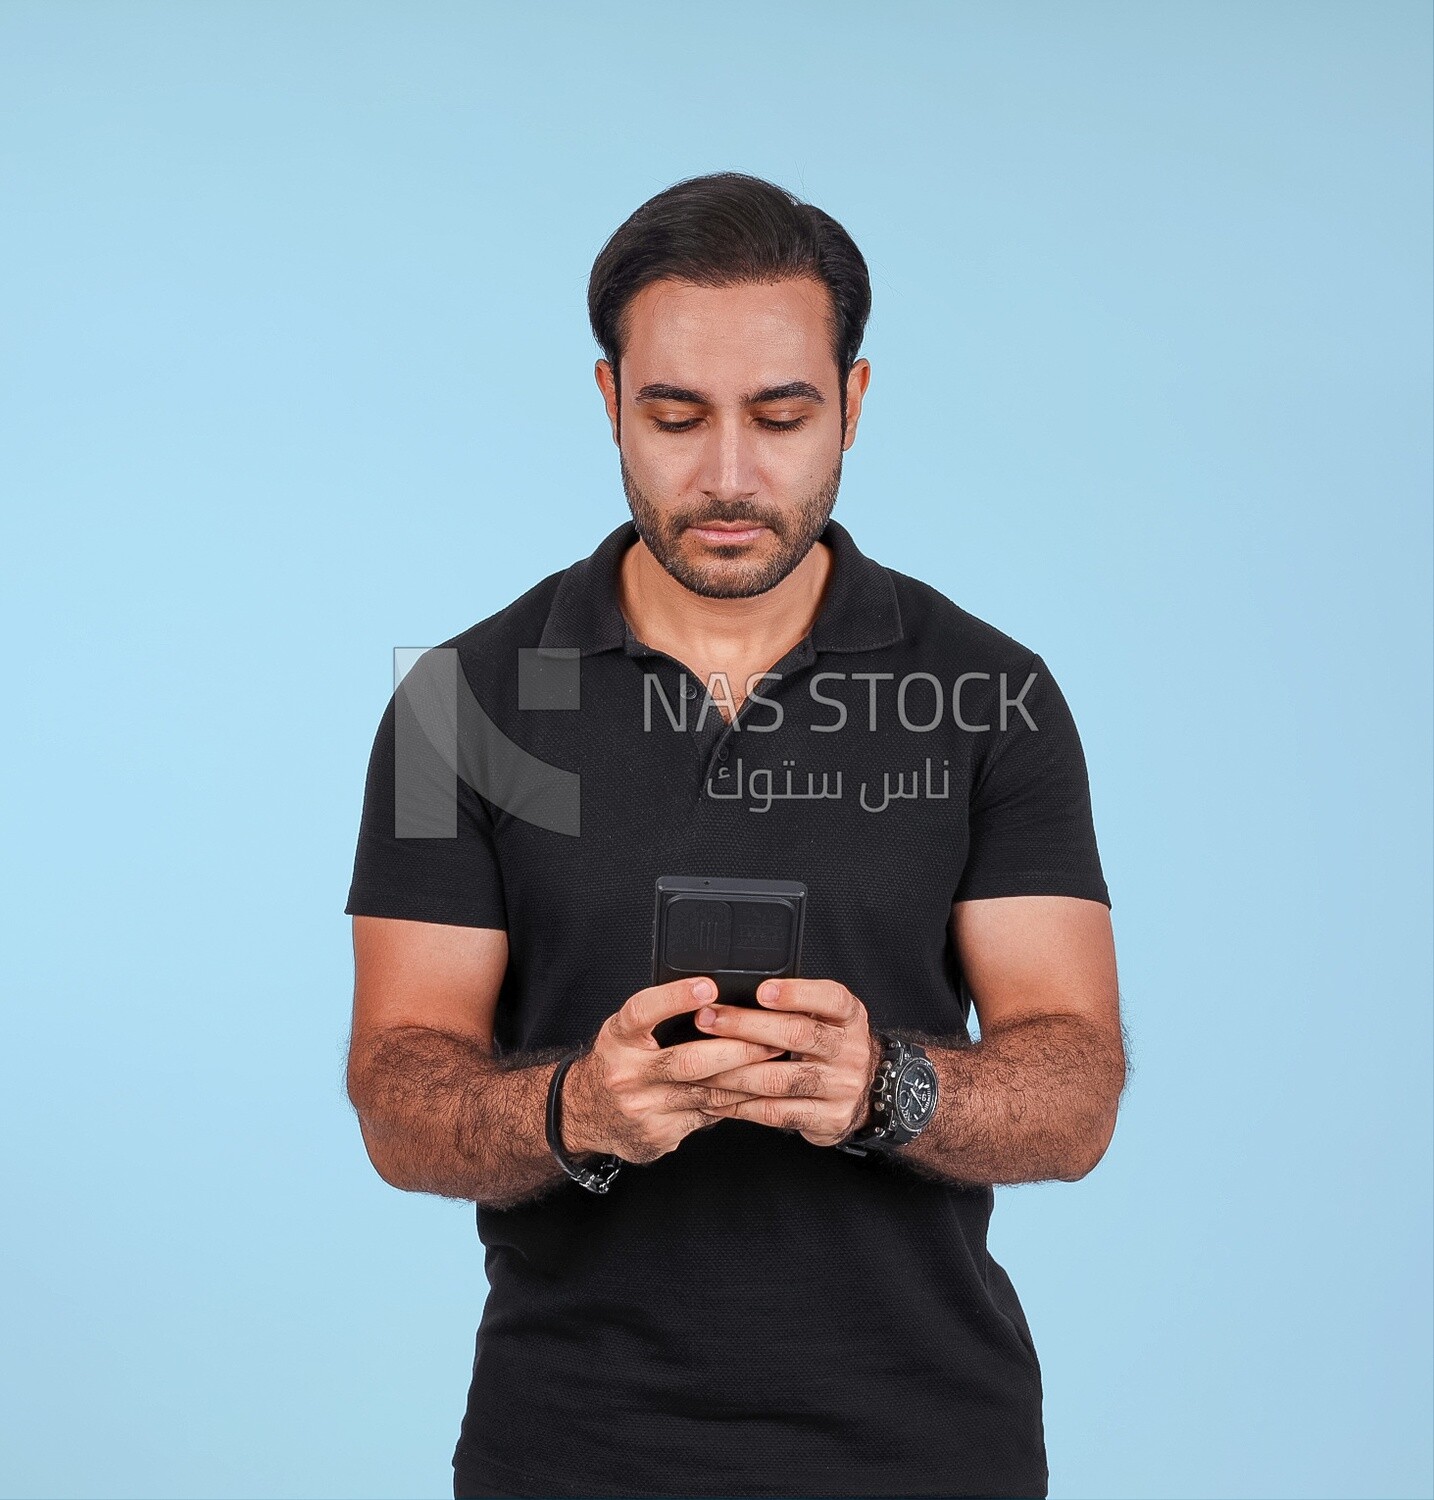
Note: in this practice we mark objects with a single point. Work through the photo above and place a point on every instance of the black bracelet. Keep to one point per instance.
(595, 1179)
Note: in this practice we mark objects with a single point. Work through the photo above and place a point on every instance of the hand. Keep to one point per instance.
(632, 1097)
(824, 1092)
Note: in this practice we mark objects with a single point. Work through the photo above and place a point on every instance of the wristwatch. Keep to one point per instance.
(597, 1178)
(903, 1098)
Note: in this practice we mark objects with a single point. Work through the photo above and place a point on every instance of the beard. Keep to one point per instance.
(737, 576)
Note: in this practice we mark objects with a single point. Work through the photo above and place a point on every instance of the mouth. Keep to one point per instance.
(728, 532)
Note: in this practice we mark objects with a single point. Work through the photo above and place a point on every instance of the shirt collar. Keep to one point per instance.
(859, 611)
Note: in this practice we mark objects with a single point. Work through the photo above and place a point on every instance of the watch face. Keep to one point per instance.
(915, 1101)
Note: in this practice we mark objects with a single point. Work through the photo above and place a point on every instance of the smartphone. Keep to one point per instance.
(737, 932)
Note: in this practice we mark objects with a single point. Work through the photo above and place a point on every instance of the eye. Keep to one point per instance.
(764, 422)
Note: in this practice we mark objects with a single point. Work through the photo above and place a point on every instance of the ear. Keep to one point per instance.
(602, 372)
(857, 380)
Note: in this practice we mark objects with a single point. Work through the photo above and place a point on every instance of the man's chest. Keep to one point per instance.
(875, 822)
(827, 775)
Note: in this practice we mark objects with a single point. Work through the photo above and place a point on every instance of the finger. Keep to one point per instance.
(712, 1100)
(641, 1011)
(688, 1061)
(698, 1119)
(824, 998)
(791, 1031)
(782, 1080)
(780, 1114)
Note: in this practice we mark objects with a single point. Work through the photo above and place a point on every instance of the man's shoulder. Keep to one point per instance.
(934, 624)
(517, 625)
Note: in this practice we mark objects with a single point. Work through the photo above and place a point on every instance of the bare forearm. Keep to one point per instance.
(1033, 1101)
(440, 1114)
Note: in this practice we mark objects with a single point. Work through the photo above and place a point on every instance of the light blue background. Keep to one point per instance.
(297, 370)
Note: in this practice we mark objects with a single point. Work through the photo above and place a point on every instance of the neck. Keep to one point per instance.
(718, 634)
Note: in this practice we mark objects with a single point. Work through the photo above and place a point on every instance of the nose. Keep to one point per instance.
(729, 463)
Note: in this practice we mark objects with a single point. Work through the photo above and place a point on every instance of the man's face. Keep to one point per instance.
(731, 417)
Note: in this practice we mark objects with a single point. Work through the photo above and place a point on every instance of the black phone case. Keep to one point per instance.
(737, 932)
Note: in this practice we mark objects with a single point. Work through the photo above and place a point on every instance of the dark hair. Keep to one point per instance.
(729, 229)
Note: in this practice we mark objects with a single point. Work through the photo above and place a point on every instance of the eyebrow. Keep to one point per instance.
(794, 390)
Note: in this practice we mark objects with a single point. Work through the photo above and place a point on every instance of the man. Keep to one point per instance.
(755, 1262)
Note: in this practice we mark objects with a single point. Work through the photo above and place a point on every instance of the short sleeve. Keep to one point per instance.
(426, 848)
(1031, 830)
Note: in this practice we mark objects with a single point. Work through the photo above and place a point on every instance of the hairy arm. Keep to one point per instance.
(1036, 1098)
(441, 1115)
(439, 1111)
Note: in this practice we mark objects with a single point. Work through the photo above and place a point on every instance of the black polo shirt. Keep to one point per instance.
(749, 1314)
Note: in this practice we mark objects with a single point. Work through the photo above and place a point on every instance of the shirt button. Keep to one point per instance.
(722, 753)
(688, 689)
